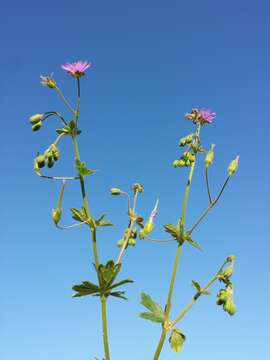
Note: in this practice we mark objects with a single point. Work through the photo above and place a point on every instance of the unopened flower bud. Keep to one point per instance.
(35, 118)
(227, 273)
(222, 297)
(231, 258)
(186, 140)
(209, 156)
(116, 191)
(41, 161)
(233, 166)
(132, 242)
(120, 243)
(37, 126)
(56, 215)
(50, 162)
(229, 307)
(48, 81)
(137, 187)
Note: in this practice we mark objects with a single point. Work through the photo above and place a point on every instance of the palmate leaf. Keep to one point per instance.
(156, 313)
(119, 294)
(193, 243)
(122, 282)
(101, 221)
(172, 230)
(82, 169)
(85, 288)
(155, 317)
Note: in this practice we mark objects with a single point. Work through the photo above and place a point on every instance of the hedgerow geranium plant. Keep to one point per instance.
(107, 282)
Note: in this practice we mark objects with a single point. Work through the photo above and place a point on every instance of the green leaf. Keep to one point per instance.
(206, 292)
(82, 169)
(196, 285)
(101, 221)
(193, 243)
(119, 283)
(79, 215)
(108, 273)
(171, 229)
(119, 294)
(156, 313)
(85, 288)
(177, 340)
(155, 317)
(149, 303)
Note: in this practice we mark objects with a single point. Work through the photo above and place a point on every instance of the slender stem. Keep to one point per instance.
(78, 100)
(177, 257)
(196, 296)
(127, 237)
(212, 204)
(105, 327)
(160, 344)
(208, 186)
(64, 100)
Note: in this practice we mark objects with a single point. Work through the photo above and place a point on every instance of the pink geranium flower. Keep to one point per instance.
(76, 69)
(206, 116)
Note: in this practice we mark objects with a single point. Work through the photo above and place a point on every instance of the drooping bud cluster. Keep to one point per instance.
(186, 140)
(185, 160)
(131, 240)
(48, 158)
(36, 121)
(225, 296)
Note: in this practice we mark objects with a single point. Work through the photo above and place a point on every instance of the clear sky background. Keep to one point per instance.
(152, 62)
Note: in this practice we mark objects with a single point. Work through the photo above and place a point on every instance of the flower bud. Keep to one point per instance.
(227, 273)
(132, 242)
(120, 243)
(229, 307)
(186, 140)
(222, 297)
(48, 81)
(37, 126)
(41, 161)
(50, 162)
(36, 118)
(209, 156)
(233, 166)
(231, 258)
(137, 187)
(56, 215)
(116, 191)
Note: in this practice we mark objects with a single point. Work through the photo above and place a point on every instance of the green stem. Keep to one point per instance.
(64, 100)
(105, 327)
(176, 260)
(196, 296)
(212, 204)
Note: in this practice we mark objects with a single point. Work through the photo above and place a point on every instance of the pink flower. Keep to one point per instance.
(76, 69)
(202, 116)
(206, 116)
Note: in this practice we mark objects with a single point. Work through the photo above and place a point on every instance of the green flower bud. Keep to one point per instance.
(186, 140)
(56, 215)
(132, 242)
(37, 126)
(222, 296)
(36, 118)
(231, 258)
(137, 187)
(227, 273)
(233, 166)
(120, 243)
(209, 156)
(116, 191)
(229, 307)
(50, 162)
(54, 152)
(40, 161)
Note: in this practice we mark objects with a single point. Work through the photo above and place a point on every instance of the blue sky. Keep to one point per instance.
(152, 62)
